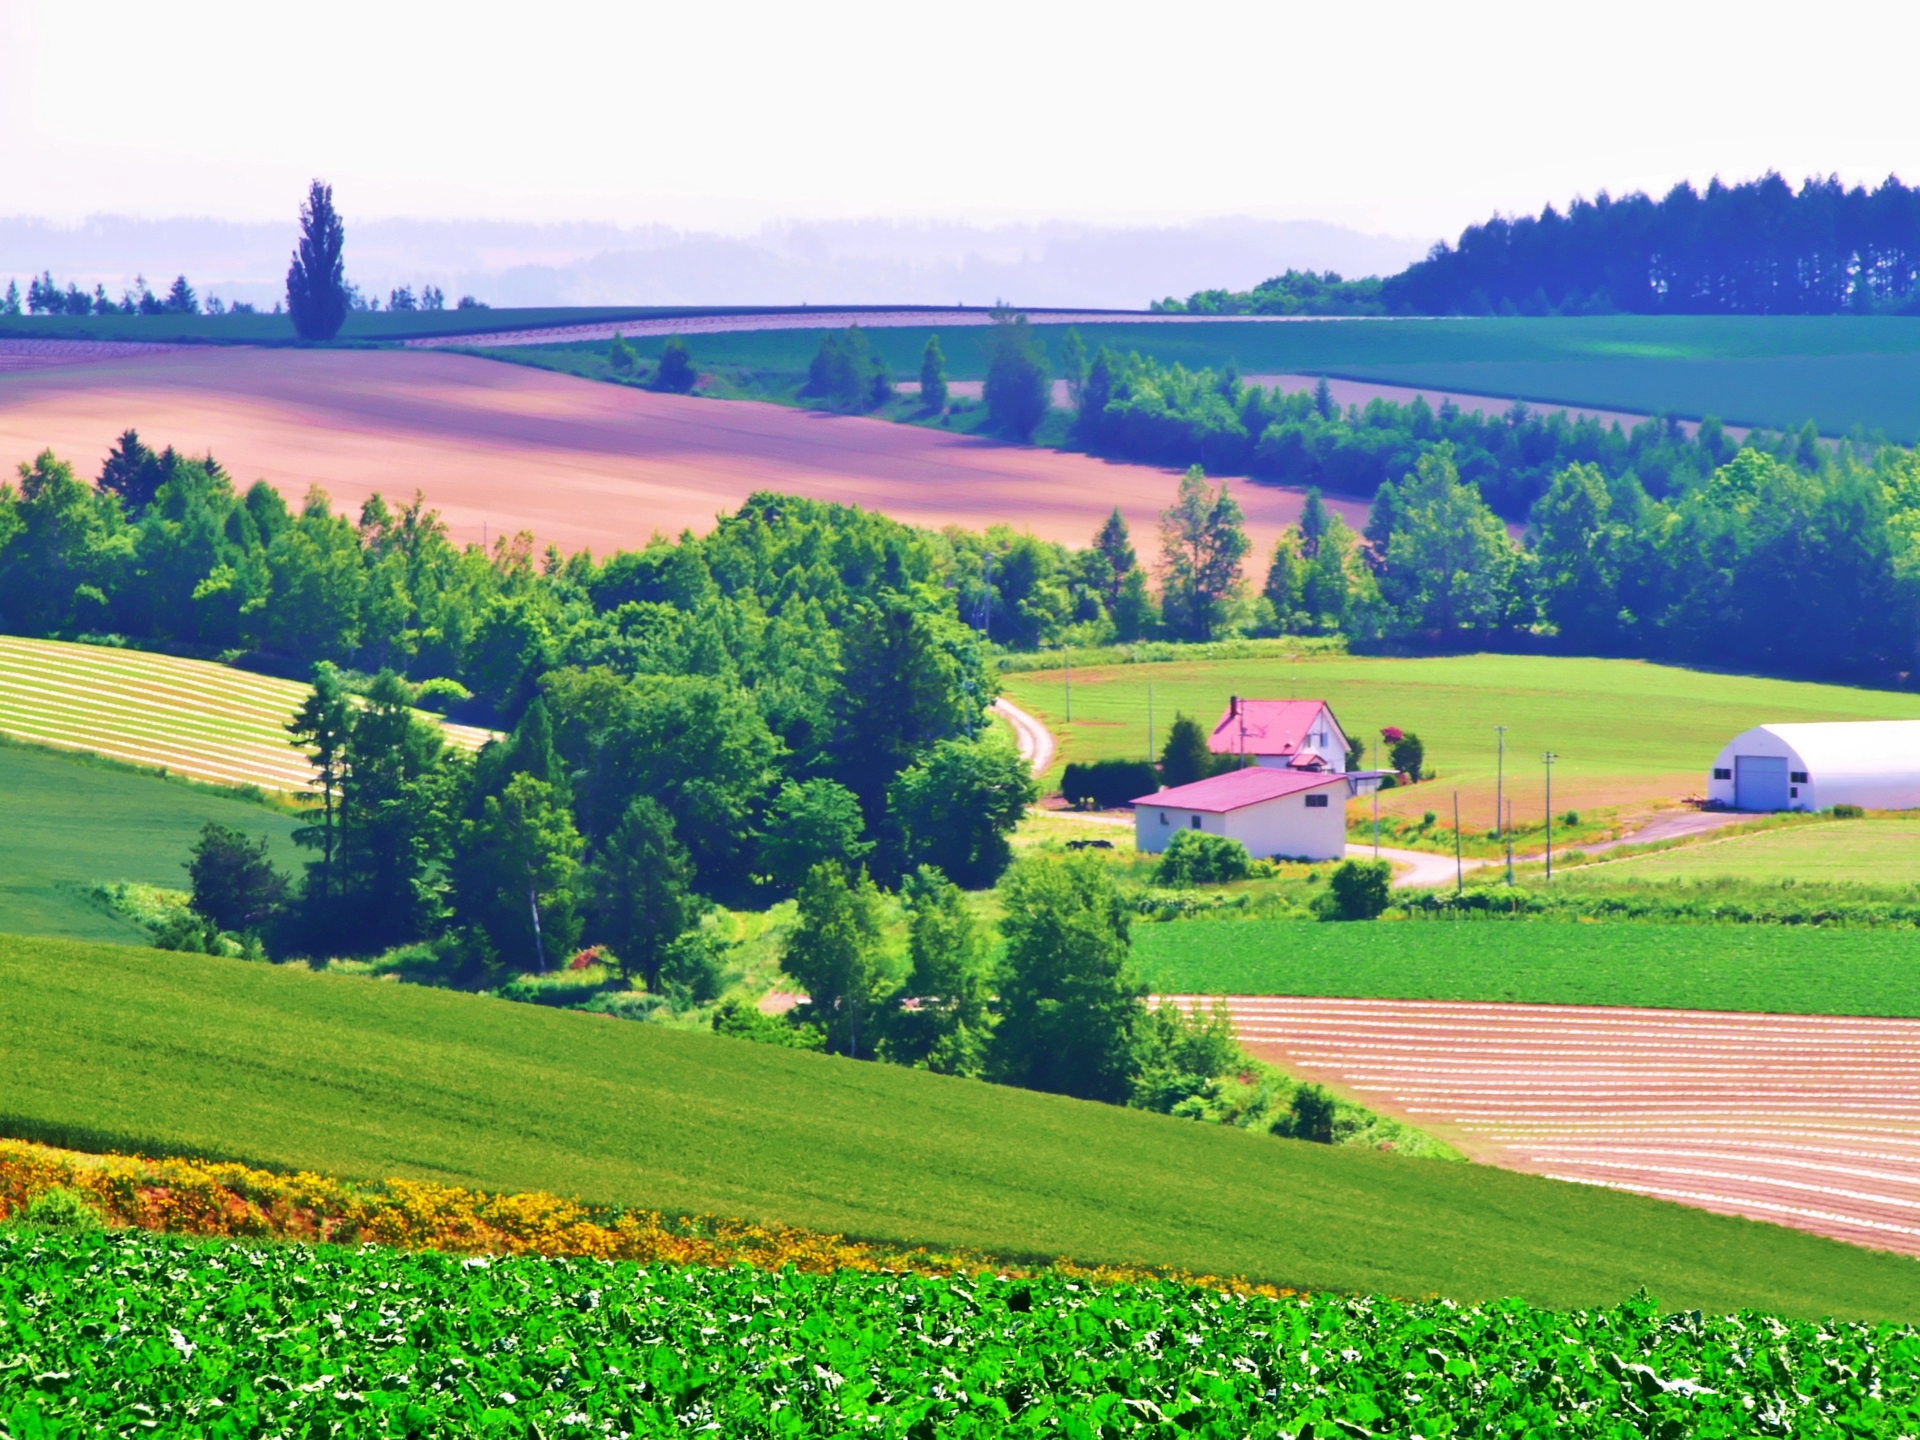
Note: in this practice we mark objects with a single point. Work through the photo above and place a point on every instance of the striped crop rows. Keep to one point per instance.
(190, 717)
(1804, 1120)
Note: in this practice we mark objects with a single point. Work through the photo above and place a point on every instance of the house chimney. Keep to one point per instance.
(1233, 705)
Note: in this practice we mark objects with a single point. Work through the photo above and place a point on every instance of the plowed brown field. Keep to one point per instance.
(498, 447)
(1804, 1120)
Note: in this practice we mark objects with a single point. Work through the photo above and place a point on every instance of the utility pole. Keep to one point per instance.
(1459, 870)
(1550, 758)
(1509, 833)
(1500, 783)
(1376, 803)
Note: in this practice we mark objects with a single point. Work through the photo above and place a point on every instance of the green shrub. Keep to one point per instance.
(743, 1020)
(1193, 857)
(1107, 784)
(1310, 1117)
(1846, 812)
(676, 372)
(62, 1208)
(1357, 890)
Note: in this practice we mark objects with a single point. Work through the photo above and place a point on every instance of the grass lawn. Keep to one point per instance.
(149, 1050)
(1626, 731)
(71, 825)
(1779, 968)
(1881, 849)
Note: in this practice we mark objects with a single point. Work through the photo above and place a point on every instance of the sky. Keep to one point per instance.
(1400, 119)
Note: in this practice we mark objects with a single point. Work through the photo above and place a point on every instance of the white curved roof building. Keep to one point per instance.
(1874, 764)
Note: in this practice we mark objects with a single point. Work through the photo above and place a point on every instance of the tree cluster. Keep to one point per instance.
(44, 297)
(707, 719)
(1297, 292)
(1059, 1008)
(1134, 408)
(1756, 248)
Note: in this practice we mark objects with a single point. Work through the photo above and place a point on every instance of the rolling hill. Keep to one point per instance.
(115, 1048)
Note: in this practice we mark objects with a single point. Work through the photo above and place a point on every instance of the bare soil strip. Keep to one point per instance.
(1804, 1120)
(501, 448)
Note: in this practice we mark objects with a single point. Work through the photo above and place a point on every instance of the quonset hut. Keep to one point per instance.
(1874, 764)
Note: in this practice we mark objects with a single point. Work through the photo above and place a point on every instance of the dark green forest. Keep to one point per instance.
(1753, 248)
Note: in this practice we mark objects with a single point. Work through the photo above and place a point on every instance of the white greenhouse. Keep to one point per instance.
(1874, 764)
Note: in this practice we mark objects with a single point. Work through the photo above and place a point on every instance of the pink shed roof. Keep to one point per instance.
(1273, 727)
(1238, 789)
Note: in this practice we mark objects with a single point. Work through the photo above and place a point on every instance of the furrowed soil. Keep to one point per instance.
(499, 448)
(1810, 1121)
(144, 1050)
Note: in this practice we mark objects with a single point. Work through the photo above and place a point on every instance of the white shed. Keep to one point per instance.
(1279, 813)
(1874, 764)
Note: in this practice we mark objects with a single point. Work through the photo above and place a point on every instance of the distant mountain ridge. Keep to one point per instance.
(851, 262)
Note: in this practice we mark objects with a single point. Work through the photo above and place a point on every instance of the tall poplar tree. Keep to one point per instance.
(317, 278)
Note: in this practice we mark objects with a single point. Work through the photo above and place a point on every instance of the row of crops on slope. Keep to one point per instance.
(106, 1333)
(193, 717)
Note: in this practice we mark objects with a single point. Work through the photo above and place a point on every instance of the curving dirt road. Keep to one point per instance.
(1034, 740)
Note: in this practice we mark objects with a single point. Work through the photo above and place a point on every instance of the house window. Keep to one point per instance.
(1163, 817)
(1196, 822)
(1794, 793)
(1723, 774)
(1798, 777)
(1316, 802)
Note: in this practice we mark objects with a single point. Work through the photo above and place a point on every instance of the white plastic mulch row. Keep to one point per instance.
(198, 719)
(1809, 1121)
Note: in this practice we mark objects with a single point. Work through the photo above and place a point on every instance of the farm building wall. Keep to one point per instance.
(1284, 826)
(1874, 764)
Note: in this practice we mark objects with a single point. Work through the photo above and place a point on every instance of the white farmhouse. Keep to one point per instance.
(1297, 734)
(1289, 798)
(1874, 764)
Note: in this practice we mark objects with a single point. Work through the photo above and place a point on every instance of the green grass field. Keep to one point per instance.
(70, 825)
(1879, 850)
(1783, 969)
(1624, 730)
(155, 1051)
(190, 717)
(1840, 371)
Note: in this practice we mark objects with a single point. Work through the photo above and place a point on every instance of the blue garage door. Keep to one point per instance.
(1759, 782)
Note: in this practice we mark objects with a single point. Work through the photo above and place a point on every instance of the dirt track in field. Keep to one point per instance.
(1803, 1120)
(499, 447)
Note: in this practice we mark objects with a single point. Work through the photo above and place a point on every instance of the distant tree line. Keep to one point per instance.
(1132, 407)
(1754, 248)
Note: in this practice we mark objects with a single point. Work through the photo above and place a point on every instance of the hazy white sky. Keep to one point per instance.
(1402, 118)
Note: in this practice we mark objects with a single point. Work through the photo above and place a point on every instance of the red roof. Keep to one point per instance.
(1238, 789)
(1271, 727)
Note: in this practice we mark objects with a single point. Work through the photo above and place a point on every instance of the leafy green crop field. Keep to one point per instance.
(190, 717)
(1623, 729)
(1786, 969)
(107, 1048)
(71, 825)
(1881, 849)
(104, 1334)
